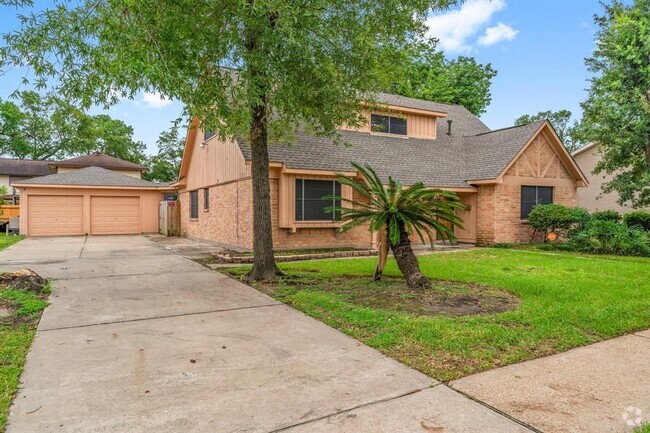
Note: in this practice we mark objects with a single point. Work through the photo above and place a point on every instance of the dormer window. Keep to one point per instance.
(388, 124)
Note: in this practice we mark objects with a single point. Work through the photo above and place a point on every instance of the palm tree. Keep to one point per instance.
(396, 212)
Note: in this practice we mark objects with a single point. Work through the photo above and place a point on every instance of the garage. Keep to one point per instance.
(89, 201)
(56, 215)
(118, 215)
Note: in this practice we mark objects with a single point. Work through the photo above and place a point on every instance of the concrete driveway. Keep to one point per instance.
(139, 339)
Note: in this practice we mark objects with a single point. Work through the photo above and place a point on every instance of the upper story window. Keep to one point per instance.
(208, 134)
(531, 196)
(388, 124)
(310, 204)
(194, 204)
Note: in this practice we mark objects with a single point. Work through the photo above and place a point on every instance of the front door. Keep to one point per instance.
(468, 232)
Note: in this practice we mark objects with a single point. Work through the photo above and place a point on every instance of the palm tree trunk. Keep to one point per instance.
(408, 263)
(382, 249)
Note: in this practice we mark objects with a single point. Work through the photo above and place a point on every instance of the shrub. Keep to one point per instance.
(606, 215)
(602, 236)
(552, 217)
(639, 219)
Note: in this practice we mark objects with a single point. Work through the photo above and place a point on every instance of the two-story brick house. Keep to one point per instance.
(499, 175)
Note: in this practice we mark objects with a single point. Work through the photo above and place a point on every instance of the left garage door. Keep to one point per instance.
(114, 215)
(55, 215)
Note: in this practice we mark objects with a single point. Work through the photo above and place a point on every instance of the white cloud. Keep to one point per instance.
(155, 100)
(456, 28)
(494, 35)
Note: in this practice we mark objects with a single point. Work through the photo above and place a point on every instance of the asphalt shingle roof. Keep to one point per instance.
(24, 167)
(463, 121)
(448, 161)
(99, 159)
(91, 176)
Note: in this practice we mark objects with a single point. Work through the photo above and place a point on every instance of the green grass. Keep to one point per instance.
(20, 314)
(7, 241)
(566, 300)
(643, 428)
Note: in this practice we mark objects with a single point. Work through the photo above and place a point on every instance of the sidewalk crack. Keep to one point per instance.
(383, 400)
(494, 409)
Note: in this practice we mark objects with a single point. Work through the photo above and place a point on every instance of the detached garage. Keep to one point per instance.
(89, 201)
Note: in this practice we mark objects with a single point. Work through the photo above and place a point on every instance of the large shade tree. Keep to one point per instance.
(165, 164)
(50, 127)
(426, 73)
(616, 113)
(561, 121)
(299, 64)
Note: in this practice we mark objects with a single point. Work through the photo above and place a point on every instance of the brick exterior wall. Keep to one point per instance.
(229, 222)
(499, 205)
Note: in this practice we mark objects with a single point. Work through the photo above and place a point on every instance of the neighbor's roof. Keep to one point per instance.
(99, 159)
(24, 167)
(91, 176)
(445, 162)
(584, 149)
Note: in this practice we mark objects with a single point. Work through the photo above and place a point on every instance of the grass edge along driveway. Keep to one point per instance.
(567, 300)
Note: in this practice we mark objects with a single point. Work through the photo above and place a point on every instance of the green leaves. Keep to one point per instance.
(421, 210)
(49, 127)
(560, 120)
(616, 113)
(426, 74)
(318, 58)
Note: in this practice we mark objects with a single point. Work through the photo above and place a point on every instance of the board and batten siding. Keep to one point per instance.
(214, 162)
(417, 125)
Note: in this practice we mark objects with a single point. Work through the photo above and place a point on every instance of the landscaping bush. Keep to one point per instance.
(610, 237)
(553, 218)
(606, 215)
(639, 219)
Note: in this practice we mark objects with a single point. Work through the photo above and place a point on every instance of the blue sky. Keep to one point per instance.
(537, 46)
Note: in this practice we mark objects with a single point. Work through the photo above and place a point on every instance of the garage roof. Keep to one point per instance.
(91, 176)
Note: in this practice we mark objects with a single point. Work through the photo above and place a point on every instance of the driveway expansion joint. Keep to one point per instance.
(647, 337)
(359, 406)
(169, 316)
(494, 409)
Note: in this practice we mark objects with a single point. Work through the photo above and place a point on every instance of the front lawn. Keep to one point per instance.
(7, 241)
(20, 311)
(522, 305)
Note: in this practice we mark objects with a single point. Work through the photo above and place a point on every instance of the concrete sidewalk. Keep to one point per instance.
(604, 387)
(139, 339)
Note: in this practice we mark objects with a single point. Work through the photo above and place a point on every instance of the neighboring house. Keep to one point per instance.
(89, 201)
(99, 159)
(592, 197)
(500, 175)
(14, 170)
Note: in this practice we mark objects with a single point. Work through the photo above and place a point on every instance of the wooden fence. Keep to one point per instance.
(9, 210)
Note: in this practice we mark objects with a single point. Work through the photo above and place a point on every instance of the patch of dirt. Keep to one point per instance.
(25, 279)
(451, 298)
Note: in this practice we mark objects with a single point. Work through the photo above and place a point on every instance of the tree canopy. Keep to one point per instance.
(308, 65)
(427, 74)
(165, 165)
(49, 127)
(616, 113)
(561, 121)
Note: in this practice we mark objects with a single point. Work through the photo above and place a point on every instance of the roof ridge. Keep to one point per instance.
(508, 127)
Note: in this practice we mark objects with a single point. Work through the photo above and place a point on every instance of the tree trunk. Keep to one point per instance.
(382, 250)
(408, 263)
(264, 267)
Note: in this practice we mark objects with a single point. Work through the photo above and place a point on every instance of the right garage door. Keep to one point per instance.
(114, 215)
(55, 215)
